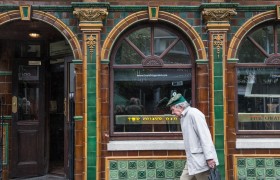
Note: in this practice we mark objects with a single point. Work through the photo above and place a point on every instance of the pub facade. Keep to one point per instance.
(84, 87)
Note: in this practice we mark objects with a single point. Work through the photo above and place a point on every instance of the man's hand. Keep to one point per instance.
(211, 163)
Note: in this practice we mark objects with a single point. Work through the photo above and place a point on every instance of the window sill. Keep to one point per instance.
(139, 145)
(257, 143)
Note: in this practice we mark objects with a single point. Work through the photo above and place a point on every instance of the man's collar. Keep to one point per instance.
(185, 111)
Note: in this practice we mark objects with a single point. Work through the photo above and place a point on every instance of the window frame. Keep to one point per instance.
(267, 63)
(112, 66)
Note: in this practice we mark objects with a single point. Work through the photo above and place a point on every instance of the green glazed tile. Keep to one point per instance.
(141, 174)
(160, 173)
(132, 174)
(132, 165)
(151, 173)
(123, 174)
(169, 164)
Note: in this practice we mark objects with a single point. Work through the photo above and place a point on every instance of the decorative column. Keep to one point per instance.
(91, 25)
(217, 24)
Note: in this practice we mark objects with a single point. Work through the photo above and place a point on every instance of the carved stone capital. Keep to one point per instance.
(89, 14)
(222, 14)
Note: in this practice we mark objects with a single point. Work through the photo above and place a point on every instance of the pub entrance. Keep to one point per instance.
(42, 81)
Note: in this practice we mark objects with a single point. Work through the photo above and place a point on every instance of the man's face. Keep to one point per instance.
(176, 110)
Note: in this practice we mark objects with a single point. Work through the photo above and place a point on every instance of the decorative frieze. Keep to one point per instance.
(86, 14)
(222, 14)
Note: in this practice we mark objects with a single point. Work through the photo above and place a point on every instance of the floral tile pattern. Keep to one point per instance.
(154, 169)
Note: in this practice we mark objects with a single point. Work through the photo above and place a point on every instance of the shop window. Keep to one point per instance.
(258, 81)
(149, 63)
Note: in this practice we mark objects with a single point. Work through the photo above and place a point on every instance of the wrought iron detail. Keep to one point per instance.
(91, 14)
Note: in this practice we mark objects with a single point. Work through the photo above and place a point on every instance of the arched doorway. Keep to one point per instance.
(39, 91)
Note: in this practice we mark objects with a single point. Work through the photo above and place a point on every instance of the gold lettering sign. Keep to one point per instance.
(259, 117)
(147, 119)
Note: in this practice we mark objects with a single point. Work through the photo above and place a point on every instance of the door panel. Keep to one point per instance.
(69, 80)
(28, 119)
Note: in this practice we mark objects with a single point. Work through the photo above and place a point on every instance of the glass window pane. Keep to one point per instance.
(258, 98)
(264, 37)
(127, 55)
(278, 37)
(142, 40)
(248, 53)
(141, 95)
(162, 40)
(28, 93)
(179, 54)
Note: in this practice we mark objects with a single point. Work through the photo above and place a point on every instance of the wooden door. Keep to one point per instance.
(69, 82)
(28, 119)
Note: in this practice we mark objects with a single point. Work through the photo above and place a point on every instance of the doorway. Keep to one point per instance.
(56, 120)
(41, 89)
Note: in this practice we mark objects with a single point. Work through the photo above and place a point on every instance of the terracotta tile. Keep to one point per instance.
(119, 153)
(160, 153)
(145, 153)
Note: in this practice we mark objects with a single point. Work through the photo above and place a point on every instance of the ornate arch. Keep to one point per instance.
(245, 28)
(51, 20)
(163, 16)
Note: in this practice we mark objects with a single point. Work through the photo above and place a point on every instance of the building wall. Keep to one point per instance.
(233, 163)
(100, 162)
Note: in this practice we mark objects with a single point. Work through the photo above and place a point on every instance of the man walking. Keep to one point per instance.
(199, 147)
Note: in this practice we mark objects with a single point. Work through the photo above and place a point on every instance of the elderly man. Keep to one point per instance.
(199, 147)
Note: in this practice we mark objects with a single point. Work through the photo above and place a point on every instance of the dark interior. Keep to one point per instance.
(17, 31)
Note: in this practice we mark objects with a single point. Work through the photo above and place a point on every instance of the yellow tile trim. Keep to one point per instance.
(278, 11)
(153, 16)
(25, 17)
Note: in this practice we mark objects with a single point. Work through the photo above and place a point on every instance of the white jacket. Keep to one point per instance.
(197, 139)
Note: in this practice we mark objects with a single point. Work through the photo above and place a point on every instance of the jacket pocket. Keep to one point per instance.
(196, 150)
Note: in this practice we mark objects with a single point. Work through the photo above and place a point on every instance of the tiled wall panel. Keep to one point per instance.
(151, 169)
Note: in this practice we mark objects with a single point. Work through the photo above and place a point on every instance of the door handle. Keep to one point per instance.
(14, 104)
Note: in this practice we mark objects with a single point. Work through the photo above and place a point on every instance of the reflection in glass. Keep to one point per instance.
(142, 40)
(278, 39)
(127, 55)
(162, 40)
(28, 93)
(264, 37)
(258, 98)
(144, 93)
(248, 53)
(178, 55)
